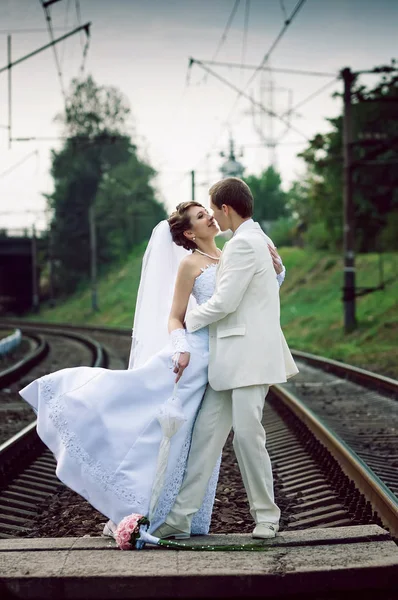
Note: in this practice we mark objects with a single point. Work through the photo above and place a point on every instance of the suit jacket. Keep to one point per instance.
(247, 346)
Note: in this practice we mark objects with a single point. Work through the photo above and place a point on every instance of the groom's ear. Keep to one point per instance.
(225, 208)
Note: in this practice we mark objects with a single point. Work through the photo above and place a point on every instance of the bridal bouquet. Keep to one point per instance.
(132, 534)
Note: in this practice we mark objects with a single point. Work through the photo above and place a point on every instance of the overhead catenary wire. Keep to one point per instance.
(313, 95)
(84, 43)
(66, 19)
(29, 30)
(79, 21)
(241, 92)
(18, 164)
(224, 34)
(254, 102)
(245, 32)
(267, 55)
(232, 65)
(317, 92)
(283, 9)
(55, 52)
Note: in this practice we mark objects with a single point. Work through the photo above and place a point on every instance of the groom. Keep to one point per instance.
(248, 353)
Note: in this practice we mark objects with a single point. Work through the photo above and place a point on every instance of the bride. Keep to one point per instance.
(101, 425)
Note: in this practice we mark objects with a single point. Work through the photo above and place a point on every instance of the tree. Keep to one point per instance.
(97, 143)
(375, 176)
(77, 170)
(92, 109)
(126, 208)
(269, 198)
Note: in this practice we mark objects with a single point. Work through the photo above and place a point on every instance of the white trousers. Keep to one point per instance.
(242, 410)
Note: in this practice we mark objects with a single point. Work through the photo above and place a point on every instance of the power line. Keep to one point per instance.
(286, 24)
(318, 92)
(225, 33)
(85, 53)
(241, 93)
(18, 164)
(79, 20)
(66, 19)
(258, 104)
(313, 95)
(31, 30)
(264, 68)
(283, 8)
(51, 34)
(227, 28)
(86, 27)
(85, 45)
(266, 57)
(245, 32)
(23, 212)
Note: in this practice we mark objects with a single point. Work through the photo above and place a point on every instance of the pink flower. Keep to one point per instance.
(128, 531)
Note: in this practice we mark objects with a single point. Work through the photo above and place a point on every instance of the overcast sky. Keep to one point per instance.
(143, 46)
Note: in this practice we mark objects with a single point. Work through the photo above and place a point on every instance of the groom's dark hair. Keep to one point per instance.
(234, 193)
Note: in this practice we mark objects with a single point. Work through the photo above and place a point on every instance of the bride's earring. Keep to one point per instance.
(194, 238)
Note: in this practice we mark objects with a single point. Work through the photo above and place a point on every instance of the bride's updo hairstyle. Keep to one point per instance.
(180, 221)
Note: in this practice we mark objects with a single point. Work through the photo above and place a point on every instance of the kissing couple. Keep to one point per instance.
(208, 323)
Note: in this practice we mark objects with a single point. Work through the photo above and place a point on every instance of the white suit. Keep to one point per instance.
(248, 352)
(247, 346)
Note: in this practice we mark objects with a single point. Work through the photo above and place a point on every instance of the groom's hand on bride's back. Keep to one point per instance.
(276, 259)
(181, 364)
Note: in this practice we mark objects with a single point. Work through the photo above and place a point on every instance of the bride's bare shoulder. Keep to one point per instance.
(188, 266)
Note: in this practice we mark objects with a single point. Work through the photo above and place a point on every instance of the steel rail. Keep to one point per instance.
(68, 331)
(25, 364)
(22, 457)
(356, 374)
(375, 491)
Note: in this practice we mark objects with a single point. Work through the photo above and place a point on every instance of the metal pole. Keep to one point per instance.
(93, 254)
(9, 88)
(193, 185)
(35, 294)
(348, 212)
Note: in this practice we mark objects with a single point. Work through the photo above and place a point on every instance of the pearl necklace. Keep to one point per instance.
(208, 255)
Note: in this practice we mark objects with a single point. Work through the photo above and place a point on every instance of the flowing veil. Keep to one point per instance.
(155, 294)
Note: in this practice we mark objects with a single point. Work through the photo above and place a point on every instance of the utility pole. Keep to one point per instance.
(348, 211)
(93, 255)
(35, 294)
(193, 185)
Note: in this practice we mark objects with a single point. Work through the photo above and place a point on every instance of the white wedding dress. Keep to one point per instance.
(102, 428)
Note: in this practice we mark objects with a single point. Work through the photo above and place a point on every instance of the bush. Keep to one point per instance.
(317, 236)
(388, 238)
(283, 231)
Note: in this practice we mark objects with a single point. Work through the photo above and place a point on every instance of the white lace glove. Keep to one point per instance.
(179, 344)
(281, 276)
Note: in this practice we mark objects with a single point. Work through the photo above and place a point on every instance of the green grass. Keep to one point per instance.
(312, 312)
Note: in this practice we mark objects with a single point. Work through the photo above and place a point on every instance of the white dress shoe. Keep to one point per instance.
(109, 529)
(265, 531)
(166, 531)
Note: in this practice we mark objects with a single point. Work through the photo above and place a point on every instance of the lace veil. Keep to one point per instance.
(155, 294)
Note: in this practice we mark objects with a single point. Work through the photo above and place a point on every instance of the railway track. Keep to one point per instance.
(320, 481)
(27, 468)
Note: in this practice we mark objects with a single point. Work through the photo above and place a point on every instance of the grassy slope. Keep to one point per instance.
(311, 307)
